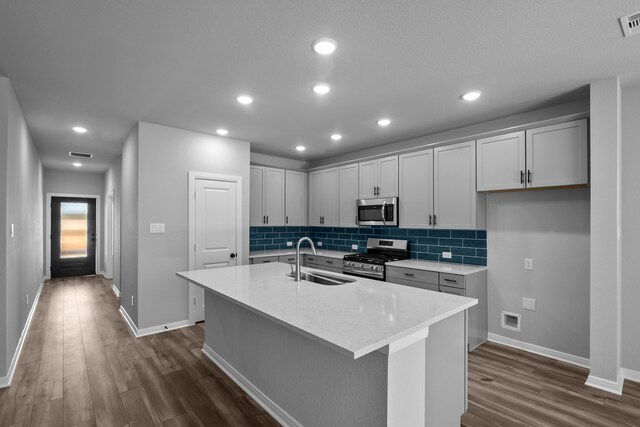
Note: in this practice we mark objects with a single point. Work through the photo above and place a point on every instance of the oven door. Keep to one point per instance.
(378, 211)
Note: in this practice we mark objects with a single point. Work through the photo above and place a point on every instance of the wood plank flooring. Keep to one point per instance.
(81, 366)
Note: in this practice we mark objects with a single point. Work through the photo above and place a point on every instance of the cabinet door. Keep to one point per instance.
(256, 199)
(454, 192)
(388, 176)
(557, 155)
(295, 198)
(416, 189)
(330, 195)
(348, 195)
(315, 197)
(501, 162)
(274, 196)
(367, 179)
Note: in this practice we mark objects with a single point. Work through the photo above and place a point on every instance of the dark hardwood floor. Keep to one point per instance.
(81, 366)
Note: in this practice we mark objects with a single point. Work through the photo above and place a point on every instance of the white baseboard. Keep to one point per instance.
(105, 275)
(115, 290)
(607, 385)
(269, 405)
(6, 381)
(153, 329)
(543, 351)
(631, 375)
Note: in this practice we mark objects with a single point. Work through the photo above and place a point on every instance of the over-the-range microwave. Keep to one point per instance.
(377, 211)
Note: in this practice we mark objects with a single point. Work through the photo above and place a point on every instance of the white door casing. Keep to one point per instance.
(215, 229)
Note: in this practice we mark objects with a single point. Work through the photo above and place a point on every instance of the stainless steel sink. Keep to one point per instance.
(323, 279)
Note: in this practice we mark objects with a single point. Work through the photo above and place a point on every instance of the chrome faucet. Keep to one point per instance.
(303, 239)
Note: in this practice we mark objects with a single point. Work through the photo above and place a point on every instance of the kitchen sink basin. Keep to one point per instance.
(323, 279)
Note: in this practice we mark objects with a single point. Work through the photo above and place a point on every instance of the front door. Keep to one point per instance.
(73, 236)
(216, 231)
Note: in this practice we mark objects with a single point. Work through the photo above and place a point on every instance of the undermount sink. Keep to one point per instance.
(323, 279)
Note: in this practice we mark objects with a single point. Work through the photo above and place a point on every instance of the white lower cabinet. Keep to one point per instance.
(263, 260)
(472, 285)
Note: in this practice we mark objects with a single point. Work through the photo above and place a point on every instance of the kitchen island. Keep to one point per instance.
(362, 353)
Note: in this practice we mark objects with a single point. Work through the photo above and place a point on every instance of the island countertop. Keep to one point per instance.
(355, 318)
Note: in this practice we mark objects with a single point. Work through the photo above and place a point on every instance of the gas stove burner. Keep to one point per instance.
(371, 263)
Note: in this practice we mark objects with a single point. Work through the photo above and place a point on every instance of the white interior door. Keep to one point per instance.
(216, 226)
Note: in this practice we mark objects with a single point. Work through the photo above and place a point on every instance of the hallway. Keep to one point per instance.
(81, 365)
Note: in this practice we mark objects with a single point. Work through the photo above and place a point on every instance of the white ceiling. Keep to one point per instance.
(110, 64)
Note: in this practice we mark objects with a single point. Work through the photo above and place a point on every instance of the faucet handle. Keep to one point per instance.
(292, 270)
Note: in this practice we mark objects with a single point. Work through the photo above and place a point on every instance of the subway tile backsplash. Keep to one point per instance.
(466, 246)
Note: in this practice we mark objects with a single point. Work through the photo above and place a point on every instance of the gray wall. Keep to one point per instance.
(72, 182)
(630, 228)
(278, 162)
(552, 227)
(24, 208)
(113, 182)
(129, 226)
(166, 155)
(4, 132)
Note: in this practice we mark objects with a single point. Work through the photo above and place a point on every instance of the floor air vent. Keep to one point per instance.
(630, 24)
(511, 321)
(83, 155)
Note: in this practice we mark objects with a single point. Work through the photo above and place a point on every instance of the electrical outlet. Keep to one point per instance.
(446, 255)
(528, 263)
(27, 299)
(529, 304)
(131, 300)
(12, 230)
(320, 244)
(289, 244)
(354, 247)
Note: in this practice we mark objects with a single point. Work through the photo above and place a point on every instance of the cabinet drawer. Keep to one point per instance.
(453, 291)
(310, 260)
(265, 259)
(287, 259)
(423, 276)
(330, 262)
(413, 283)
(452, 280)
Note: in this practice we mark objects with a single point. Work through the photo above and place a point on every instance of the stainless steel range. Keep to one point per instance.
(371, 263)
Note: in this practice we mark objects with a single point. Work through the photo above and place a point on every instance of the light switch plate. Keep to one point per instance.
(529, 304)
(528, 263)
(446, 255)
(156, 227)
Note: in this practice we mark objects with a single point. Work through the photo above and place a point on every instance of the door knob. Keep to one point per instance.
(232, 255)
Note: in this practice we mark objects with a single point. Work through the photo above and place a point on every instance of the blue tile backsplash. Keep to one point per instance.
(466, 246)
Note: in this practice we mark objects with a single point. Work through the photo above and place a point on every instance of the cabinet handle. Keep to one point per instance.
(266, 262)
(374, 190)
(430, 220)
(521, 177)
(378, 188)
(434, 220)
(286, 220)
(329, 262)
(267, 219)
(409, 275)
(529, 176)
(450, 280)
(264, 219)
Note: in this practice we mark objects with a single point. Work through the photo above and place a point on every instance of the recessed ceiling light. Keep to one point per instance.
(222, 132)
(79, 129)
(324, 46)
(336, 137)
(321, 88)
(245, 99)
(384, 122)
(77, 164)
(471, 96)
(301, 148)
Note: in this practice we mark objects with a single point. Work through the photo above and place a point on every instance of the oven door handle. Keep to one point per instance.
(384, 209)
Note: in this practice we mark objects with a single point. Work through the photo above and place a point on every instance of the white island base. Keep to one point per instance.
(301, 382)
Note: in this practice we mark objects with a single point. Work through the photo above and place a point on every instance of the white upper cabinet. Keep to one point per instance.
(501, 162)
(323, 197)
(266, 196)
(295, 198)
(348, 195)
(548, 156)
(557, 155)
(378, 178)
(455, 200)
(416, 189)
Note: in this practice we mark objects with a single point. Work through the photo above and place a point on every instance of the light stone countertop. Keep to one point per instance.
(355, 318)
(292, 251)
(439, 267)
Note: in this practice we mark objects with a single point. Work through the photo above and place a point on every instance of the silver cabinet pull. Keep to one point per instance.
(409, 275)
(521, 177)
(430, 220)
(434, 219)
(529, 176)
(450, 280)
(329, 262)
(286, 220)
(267, 219)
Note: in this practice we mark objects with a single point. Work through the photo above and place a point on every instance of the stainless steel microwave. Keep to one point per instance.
(377, 211)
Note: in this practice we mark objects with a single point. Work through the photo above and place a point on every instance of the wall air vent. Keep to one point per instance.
(511, 321)
(630, 24)
(83, 155)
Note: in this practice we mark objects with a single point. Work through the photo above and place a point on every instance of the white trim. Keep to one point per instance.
(47, 236)
(6, 381)
(193, 176)
(109, 231)
(543, 351)
(607, 385)
(115, 289)
(262, 399)
(631, 375)
(153, 329)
